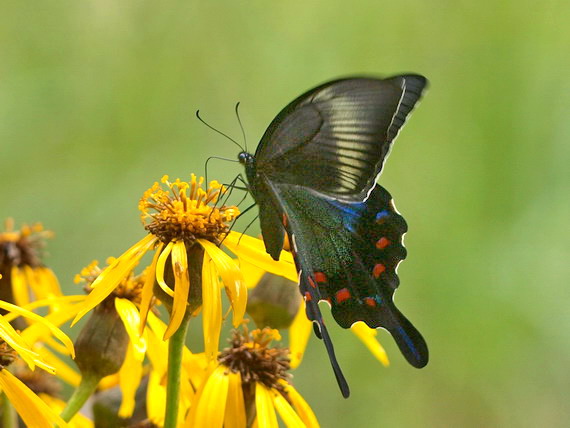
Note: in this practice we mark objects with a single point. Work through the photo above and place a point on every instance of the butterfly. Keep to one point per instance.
(313, 177)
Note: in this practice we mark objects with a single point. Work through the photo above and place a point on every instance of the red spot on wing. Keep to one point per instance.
(284, 220)
(370, 302)
(311, 282)
(308, 296)
(320, 277)
(342, 295)
(378, 269)
(382, 243)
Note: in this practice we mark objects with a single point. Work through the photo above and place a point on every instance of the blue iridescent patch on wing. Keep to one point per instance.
(409, 342)
(352, 212)
(382, 214)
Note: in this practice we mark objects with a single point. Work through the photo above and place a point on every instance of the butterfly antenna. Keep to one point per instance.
(214, 157)
(218, 131)
(241, 126)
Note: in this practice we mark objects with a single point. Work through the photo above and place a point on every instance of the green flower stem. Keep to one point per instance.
(175, 349)
(9, 416)
(85, 389)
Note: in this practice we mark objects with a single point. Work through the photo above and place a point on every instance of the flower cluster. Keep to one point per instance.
(134, 339)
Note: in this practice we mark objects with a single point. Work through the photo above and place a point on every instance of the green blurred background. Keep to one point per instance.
(97, 101)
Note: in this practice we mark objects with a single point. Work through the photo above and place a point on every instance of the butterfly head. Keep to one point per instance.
(246, 158)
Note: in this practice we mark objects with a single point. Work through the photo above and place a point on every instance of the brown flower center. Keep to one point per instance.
(251, 356)
(185, 211)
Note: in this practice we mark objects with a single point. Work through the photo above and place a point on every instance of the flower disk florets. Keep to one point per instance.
(22, 247)
(251, 356)
(129, 288)
(7, 355)
(185, 211)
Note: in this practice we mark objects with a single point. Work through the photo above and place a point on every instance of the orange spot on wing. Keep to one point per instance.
(378, 269)
(382, 243)
(311, 282)
(284, 220)
(320, 277)
(342, 295)
(308, 296)
(370, 302)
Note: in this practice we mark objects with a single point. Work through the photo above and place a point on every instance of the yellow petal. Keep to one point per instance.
(266, 416)
(302, 408)
(368, 336)
(157, 347)
(252, 274)
(129, 379)
(210, 407)
(252, 250)
(155, 399)
(181, 288)
(231, 277)
(50, 281)
(49, 323)
(78, 421)
(43, 321)
(109, 382)
(33, 411)
(53, 344)
(287, 413)
(212, 308)
(235, 407)
(195, 367)
(117, 271)
(16, 342)
(20, 287)
(47, 302)
(299, 334)
(39, 292)
(131, 319)
(160, 266)
(63, 370)
(146, 294)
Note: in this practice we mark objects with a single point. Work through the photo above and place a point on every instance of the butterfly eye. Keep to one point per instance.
(244, 158)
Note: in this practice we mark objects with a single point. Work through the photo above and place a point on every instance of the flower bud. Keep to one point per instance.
(274, 302)
(102, 343)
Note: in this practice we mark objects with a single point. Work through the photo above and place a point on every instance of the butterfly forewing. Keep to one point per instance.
(335, 138)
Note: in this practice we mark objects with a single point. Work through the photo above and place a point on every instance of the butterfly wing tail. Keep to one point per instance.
(408, 338)
(322, 333)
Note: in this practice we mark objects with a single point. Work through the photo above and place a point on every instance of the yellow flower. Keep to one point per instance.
(21, 269)
(250, 375)
(181, 218)
(185, 225)
(125, 298)
(33, 411)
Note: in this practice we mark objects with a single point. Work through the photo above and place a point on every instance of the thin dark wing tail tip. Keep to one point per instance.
(410, 341)
(340, 379)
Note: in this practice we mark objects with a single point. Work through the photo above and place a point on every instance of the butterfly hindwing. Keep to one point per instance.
(347, 255)
(336, 137)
